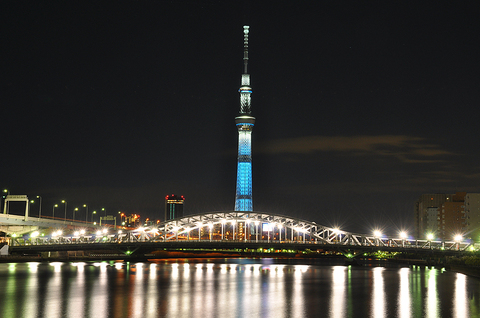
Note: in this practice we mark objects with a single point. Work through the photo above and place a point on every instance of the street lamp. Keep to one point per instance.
(403, 236)
(336, 231)
(54, 206)
(65, 219)
(458, 238)
(103, 209)
(7, 193)
(94, 212)
(74, 210)
(377, 235)
(86, 212)
(40, 207)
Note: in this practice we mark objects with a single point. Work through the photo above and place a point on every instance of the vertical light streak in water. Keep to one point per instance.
(173, 297)
(337, 300)
(431, 310)
(208, 290)
(174, 271)
(298, 306)
(279, 270)
(274, 290)
(186, 271)
(186, 291)
(152, 271)
(223, 268)
(223, 306)
(254, 288)
(377, 308)
(198, 297)
(57, 266)
(460, 303)
(278, 305)
(209, 269)
(31, 291)
(237, 286)
(137, 305)
(77, 298)
(54, 292)
(180, 293)
(404, 303)
(248, 285)
(100, 294)
(9, 292)
(349, 305)
(152, 292)
(231, 287)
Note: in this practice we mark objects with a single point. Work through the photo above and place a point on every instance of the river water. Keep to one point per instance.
(232, 288)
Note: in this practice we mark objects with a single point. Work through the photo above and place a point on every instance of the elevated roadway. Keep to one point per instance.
(21, 224)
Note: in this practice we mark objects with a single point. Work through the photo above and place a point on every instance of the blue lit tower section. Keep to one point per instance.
(244, 122)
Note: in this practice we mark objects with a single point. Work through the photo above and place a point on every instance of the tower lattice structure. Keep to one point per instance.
(245, 123)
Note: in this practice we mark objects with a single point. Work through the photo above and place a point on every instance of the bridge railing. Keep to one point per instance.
(133, 237)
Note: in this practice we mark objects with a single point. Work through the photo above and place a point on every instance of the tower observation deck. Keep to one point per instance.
(245, 123)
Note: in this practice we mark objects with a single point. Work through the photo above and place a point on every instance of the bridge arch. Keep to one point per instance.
(247, 226)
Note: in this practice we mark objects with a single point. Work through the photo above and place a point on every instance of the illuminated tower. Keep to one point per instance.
(244, 122)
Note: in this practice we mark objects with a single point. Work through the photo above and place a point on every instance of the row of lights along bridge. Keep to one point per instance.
(263, 232)
(79, 214)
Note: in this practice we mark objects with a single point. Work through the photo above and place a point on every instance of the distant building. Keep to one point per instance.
(446, 215)
(432, 219)
(173, 207)
(472, 213)
(426, 213)
(452, 217)
(132, 220)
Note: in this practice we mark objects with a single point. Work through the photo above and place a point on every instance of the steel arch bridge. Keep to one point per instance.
(269, 227)
(203, 229)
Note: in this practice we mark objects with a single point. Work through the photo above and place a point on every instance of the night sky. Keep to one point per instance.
(361, 106)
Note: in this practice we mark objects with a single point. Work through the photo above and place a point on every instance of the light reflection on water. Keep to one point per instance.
(240, 288)
(378, 300)
(404, 305)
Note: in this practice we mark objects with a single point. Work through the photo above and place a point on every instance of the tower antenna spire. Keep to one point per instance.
(244, 122)
(245, 48)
